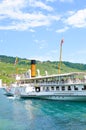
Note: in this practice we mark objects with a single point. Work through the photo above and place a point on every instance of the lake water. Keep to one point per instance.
(34, 114)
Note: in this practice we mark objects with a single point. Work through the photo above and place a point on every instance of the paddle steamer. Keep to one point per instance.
(68, 86)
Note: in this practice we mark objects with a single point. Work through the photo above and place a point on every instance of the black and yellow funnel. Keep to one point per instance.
(33, 68)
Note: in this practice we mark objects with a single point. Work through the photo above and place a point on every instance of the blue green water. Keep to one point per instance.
(31, 114)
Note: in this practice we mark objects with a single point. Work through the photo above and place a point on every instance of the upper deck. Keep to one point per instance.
(74, 77)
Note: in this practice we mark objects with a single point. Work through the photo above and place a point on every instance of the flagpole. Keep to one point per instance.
(60, 58)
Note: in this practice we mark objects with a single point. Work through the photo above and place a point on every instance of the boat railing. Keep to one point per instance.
(77, 81)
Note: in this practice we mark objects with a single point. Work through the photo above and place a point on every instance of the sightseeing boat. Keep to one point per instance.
(69, 86)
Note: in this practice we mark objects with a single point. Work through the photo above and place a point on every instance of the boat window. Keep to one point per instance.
(63, 88)
(57, 81)
(62, 81)
(69, 87)
(52, 88)
(22, 82)
(84, 87)
(57, 87)
(47, 88)
(75, 88)
(43, 88)
(26, 82)
(37, 89)
(37, 81)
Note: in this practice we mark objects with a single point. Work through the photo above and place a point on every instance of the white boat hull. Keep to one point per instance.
(65, 98)
(70, 97)
(67, 87)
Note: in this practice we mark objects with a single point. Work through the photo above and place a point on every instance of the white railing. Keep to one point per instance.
(60, 83)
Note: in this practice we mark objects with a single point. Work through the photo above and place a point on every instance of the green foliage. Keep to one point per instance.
(7, 59)
(76, 65)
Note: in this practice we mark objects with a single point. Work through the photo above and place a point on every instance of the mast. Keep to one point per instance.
(16, 62)
(60, 58)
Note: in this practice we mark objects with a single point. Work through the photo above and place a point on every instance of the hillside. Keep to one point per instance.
(8, 69)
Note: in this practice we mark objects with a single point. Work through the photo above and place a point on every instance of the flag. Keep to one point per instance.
(16, 61)
(62, 41)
